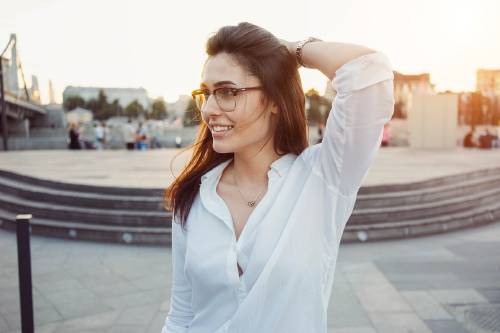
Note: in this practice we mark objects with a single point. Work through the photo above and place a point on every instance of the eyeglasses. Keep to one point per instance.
(225, 97)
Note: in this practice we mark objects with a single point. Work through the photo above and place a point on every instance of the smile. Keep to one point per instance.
(221, 128)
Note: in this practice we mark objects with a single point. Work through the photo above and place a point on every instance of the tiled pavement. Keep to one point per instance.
(417, 285)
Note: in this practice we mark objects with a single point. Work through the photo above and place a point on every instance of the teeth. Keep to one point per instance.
(221, 128)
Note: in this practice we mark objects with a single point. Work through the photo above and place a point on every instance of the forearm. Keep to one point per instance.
(329, 56)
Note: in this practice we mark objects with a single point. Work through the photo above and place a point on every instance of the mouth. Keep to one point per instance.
(219, 131)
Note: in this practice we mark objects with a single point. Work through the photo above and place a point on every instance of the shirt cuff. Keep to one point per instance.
(362, 72)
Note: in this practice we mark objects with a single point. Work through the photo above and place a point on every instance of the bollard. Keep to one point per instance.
(24, 264)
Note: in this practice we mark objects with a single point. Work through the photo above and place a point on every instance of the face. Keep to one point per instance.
(250, 121)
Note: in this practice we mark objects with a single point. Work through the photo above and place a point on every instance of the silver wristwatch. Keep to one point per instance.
(300, 46)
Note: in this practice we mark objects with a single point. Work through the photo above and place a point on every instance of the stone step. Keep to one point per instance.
(438, 181)
(85, 215)
(137, 215)
(80, 199)
(431, 194)
(421, 210)
(129, 191)
(425, 226)
(92, 232)
(153, 201)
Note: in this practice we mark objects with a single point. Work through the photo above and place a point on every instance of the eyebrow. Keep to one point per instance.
(219, 83)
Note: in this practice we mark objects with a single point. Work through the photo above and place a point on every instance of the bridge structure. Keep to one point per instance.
(18, 104)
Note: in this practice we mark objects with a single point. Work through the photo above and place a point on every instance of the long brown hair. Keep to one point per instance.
(263, 56)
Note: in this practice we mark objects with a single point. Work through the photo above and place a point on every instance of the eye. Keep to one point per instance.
(225, 92)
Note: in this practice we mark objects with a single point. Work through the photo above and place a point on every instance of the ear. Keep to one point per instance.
(274, 108)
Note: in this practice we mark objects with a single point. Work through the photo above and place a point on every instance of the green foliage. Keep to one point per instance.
(318, 107)
(134, 109)
(159, 109)
(73, 102)
(99, 106)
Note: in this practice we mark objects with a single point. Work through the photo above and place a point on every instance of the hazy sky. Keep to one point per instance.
(159, 45)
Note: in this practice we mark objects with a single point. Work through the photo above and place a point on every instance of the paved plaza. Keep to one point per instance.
(152, 168)
(416, 285)
(427, 284)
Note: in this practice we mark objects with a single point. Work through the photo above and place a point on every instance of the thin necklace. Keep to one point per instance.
(250, 203)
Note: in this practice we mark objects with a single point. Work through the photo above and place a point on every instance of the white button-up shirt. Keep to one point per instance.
(289, 246)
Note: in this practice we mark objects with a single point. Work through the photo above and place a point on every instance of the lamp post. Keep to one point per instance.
(3, 107)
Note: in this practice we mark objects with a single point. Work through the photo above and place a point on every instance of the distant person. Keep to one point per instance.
(469, 141)
(141, 137)
(129, 135)
(107, 135)
(486, 140)
(386, 136)
(99, 136)
(178, 141)
(74, 137)
(497, 136)
(321, 130)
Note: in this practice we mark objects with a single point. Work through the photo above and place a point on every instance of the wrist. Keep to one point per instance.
(299, 46)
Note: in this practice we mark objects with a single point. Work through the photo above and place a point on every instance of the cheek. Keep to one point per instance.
(255, 129)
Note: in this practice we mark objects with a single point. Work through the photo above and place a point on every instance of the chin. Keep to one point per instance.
(222, 149)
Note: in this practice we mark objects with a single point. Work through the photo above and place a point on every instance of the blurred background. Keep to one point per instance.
(94, 62)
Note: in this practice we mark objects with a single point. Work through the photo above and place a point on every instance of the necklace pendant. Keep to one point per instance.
(251, 203)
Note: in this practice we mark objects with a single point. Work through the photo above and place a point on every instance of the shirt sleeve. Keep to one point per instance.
(180, 315)
(354, 128)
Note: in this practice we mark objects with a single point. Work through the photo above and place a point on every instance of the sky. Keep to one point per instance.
(159, 45)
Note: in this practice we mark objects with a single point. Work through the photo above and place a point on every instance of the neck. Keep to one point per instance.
(251, 167)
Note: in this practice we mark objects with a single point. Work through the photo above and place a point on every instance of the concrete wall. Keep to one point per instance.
(432, 121)
(48, 138)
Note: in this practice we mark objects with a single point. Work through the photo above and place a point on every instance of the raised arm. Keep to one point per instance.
(363, 79)
(180, 315)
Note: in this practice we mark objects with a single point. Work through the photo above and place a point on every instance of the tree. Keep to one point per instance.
(191, 115)
(134, 109)
(313, 107)
(159, 109)
(73, 102)
(474, 114)
(101, 107)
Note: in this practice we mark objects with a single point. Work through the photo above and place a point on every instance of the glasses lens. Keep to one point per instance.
(225, 99)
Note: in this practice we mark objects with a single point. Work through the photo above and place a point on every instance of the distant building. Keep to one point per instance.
(178, 108)
(433, 120)
(407, 85)
(52, 96)
(488, 81)
(124, 95)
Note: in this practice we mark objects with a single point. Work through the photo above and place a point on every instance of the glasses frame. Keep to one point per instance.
(235, 92)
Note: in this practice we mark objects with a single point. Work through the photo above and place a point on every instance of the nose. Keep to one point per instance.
(211, 107)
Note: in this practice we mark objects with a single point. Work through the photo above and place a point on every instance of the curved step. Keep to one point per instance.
(433, 182)
(424, 195)
(421, 210)
(137, 216)
(423, 227)
(26, 191)
(92, 232)
(88, 215)
(80, 187)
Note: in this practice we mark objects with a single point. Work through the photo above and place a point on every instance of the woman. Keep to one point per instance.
(258, 214)
(74, 137)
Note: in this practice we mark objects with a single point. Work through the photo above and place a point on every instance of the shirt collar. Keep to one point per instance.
(278, 168)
